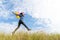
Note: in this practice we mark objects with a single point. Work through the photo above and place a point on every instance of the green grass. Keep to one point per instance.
(30, 36)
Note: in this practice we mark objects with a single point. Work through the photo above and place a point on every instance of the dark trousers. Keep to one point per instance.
(19, 23)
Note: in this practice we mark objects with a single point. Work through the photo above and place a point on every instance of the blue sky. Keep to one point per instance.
(39, 15)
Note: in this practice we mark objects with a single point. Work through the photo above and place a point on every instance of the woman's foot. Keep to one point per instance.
(13, 33)
(29, 29)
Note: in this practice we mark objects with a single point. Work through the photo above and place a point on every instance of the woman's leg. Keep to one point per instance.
(26, 26)
(19, 23)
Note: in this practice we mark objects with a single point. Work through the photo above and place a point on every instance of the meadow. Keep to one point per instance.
(30, 36)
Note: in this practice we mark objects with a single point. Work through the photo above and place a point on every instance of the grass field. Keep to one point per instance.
(30, 36)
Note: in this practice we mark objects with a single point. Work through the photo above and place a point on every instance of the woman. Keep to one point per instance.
(21, 15)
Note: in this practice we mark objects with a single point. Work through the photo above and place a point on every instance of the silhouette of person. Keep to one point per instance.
(20, 22)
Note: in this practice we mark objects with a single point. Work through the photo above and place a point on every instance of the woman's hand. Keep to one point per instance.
(15, 14)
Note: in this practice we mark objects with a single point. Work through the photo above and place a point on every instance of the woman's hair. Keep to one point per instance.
(21, 13)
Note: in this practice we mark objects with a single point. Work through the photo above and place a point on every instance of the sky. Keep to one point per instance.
(40, 15)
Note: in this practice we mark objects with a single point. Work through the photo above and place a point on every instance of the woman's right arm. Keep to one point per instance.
(15, 14)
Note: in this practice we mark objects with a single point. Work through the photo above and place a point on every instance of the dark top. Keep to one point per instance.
(21, 16)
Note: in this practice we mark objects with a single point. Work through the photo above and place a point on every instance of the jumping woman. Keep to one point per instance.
(21, 15)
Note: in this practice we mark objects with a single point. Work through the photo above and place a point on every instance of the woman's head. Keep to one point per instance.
(22, 13)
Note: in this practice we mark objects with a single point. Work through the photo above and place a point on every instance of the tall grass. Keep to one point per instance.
(30, 36)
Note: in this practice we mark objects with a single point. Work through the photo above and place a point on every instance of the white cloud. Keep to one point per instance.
(54, 14)
(6, 27)
(4, 14)
(9, 28)
(35, 8)
(39, 9)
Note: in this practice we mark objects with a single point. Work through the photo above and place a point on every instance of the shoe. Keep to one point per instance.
(13, 33)
(29, 29)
